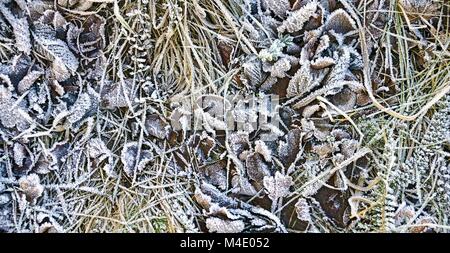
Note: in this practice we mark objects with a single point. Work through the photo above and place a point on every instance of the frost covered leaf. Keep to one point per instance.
(309, 110)
(20, 29)
(242, 186)
(89, 39)
(275, 50)
(340, 22)
(216, 174)
(303, 210)
(245, 118)
(279, 7)
(12, 115)
(155, 126)
(22, 35)
(203, 143)
(116, 95)
(207, 195)
(129, 157)
(239, 142)
(425, 8)
(31, 187)
(23, 159)
(80, 5)
(322, 62)
(339, 71)
(278, 186)
(48, 228)
(132, 159)
(60, 71)
(422, 225)
(344, 100)
(262, 149)
(324, 44)
(56, 50)
(224, 226)
(54, 159)
(289, 149)
(4, 199)
(28, 81)
(209, 122)
(256, 168)
(324, 150)
(85, 106)
(299, 84)
(252, 73)
(97, 148)
(218, 204)
(298, 18)
(279, 68)
(54, 19)
(99, 152)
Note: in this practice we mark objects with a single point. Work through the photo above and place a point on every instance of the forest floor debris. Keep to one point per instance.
(224, 116)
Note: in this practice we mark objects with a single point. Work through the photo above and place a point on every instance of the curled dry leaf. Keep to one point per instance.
(204, 144)
(47, 227)
(289, 149)
(262, 149)
(322, 62)
(340, 22)
(25, 84)
(99, 152)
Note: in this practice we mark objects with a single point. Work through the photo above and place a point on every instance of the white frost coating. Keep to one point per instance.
(322, 62)
(279, 7)
(31, 187)
(53, 48)
(340, 22)
(303, 210)
(279, 68)
(298, 18)
(224, 226)
(278, 186)
(262, 149)
(21, 30)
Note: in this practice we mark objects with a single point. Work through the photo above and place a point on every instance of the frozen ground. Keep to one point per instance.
(224, 116)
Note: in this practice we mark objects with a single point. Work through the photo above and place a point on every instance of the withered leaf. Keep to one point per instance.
(277, 186)
(55, 50)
